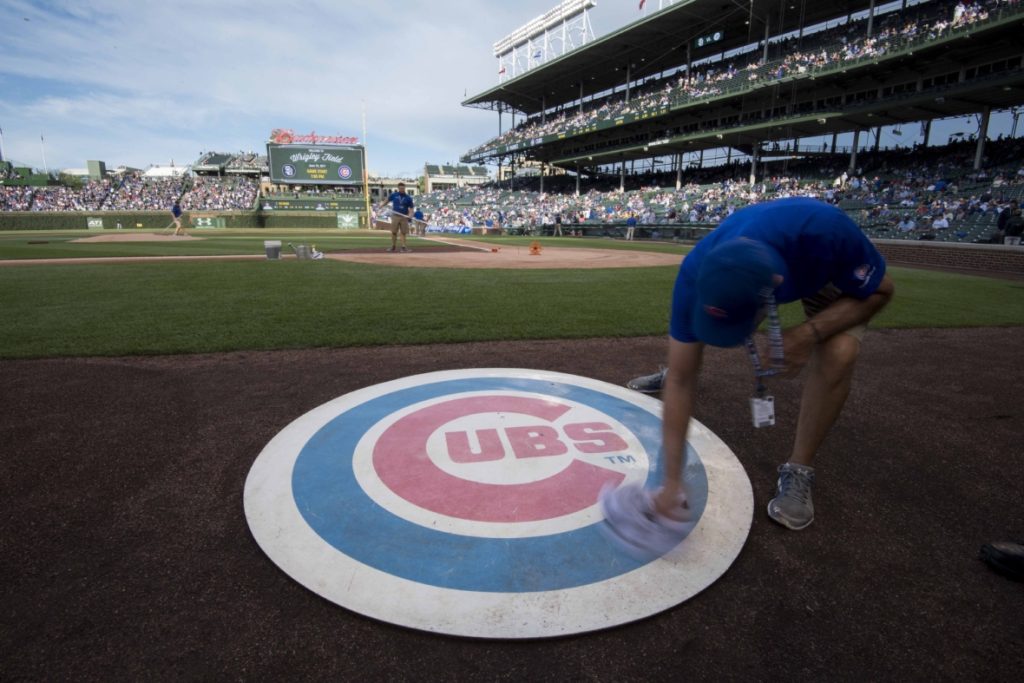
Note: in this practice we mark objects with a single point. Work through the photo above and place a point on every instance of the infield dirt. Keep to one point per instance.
(126, 555)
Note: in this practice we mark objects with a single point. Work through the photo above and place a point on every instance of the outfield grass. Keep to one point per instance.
(37, 245)
(185, 307)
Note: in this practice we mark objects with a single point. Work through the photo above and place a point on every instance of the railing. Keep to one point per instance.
(746, 80)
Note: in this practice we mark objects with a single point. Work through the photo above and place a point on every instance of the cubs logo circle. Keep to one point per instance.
(288, 170)
(344, 172)
(465, 502)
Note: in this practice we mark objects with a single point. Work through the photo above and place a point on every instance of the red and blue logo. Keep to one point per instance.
(478, 485)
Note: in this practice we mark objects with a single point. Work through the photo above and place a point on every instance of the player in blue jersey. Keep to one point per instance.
(763, 255)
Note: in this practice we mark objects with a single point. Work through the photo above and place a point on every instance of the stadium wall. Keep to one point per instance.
(159, 220)
(981, 258)
(78, 220)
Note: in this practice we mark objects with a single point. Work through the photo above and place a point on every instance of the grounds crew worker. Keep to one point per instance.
(176, 215)
(770, 253)
(401, 208)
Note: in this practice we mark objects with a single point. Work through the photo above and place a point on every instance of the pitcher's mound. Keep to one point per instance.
(480, 255)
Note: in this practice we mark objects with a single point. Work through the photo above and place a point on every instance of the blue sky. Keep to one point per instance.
(142, 82)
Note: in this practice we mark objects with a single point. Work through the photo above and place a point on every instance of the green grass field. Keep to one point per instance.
(40, 245)
(188, 307)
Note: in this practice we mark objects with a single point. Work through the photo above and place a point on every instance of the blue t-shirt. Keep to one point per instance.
(813, 244)
(176, 211)
(400, 203)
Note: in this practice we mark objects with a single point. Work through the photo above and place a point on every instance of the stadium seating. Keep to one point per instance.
(829, 50)
(889, 184)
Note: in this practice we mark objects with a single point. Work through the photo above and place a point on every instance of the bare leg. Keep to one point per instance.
(830, 374)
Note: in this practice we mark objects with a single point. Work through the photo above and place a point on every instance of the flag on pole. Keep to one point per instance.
(642, 2)
(501, 71)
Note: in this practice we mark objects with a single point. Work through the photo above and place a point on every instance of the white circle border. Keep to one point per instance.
(281, 532)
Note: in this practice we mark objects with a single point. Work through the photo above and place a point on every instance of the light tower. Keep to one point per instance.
(549, 36)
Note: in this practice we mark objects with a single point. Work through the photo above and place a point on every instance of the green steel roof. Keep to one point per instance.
(654, 44)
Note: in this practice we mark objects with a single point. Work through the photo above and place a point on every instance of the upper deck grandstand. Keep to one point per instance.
(240, 163)
(781, 78)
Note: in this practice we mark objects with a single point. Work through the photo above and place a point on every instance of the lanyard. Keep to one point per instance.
(775, 348)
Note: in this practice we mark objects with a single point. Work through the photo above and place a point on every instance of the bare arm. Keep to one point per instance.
(679, 395)
(838, 317)
(848, 312)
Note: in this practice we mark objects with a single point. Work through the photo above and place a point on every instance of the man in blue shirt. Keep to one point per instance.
(420, 225)
(401, 209)
(774, 252)
(176, 216)
(630, 226)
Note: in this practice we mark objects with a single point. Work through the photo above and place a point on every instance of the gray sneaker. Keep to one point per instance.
(648, 384)
(792, 507)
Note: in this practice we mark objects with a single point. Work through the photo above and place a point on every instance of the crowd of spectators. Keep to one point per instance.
(899, 191)
(921, 192)
(15, 197)
(133, 192)
(137, 193)
(221, 194)
(520, 211)
(90, 196)
(839, 45)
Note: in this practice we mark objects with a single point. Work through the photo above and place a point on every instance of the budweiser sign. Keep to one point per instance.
(285, 136)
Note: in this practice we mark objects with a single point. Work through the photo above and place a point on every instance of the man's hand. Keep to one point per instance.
(667, 502)
(798, 344)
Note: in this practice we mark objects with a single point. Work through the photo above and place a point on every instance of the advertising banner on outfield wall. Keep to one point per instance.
(348, 220)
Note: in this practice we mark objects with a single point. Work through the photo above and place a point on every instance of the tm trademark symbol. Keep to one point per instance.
(619, 459)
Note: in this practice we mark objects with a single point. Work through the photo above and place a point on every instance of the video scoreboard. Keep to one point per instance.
(316, 164)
